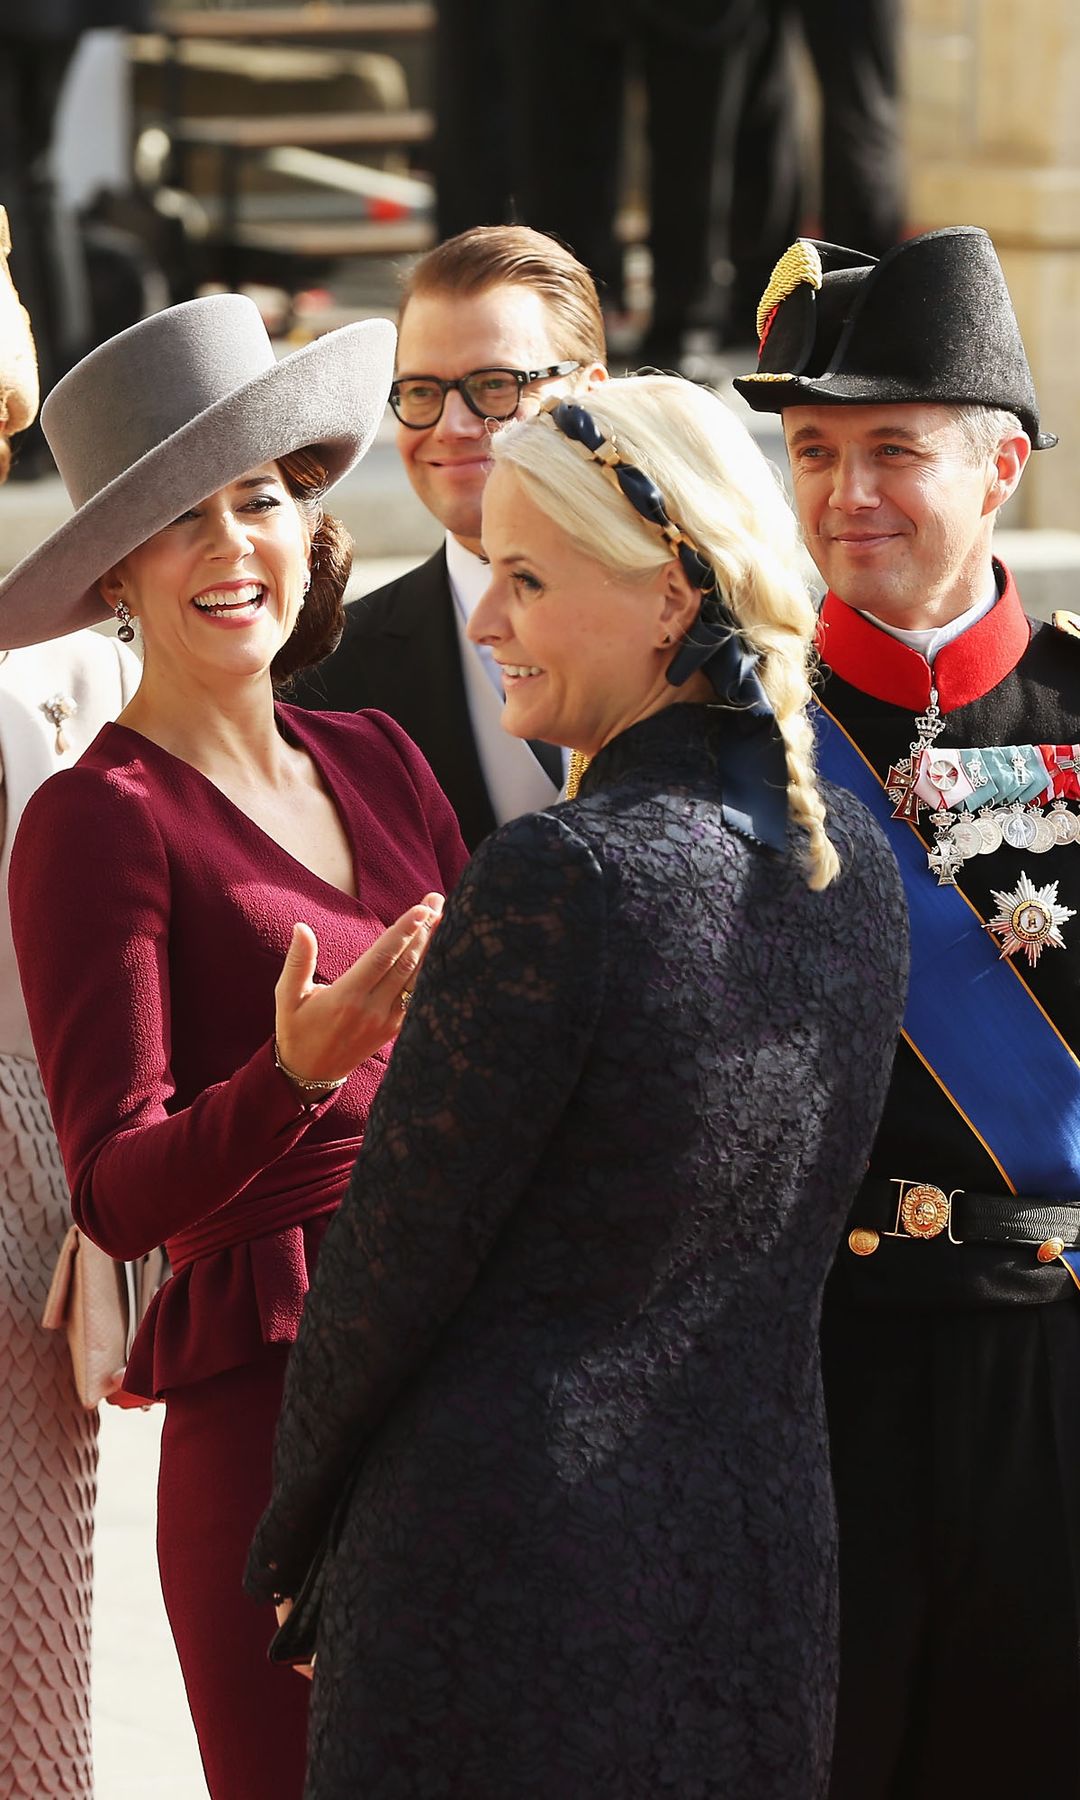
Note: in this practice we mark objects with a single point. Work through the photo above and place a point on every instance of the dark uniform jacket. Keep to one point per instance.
(952, 1371)
(1008, 680)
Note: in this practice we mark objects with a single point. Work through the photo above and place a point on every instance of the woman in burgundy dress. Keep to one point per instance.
(218, 913)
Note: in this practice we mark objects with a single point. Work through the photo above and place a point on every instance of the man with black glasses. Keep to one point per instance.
(491, 322)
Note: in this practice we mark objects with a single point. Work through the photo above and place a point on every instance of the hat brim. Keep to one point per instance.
(329, 397)
(773, 393)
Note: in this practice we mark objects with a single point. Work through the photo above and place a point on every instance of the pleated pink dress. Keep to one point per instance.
(53, 700)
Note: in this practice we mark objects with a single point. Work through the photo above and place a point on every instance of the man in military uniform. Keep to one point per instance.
(952, 1320)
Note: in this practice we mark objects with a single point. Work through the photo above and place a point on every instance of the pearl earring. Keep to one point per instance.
(125, 622)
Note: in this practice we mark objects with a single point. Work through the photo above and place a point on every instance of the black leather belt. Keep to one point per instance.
(919, 1209)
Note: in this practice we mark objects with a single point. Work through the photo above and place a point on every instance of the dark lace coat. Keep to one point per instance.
(568, 1313)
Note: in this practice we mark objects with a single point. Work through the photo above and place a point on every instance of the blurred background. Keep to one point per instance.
(149, 152)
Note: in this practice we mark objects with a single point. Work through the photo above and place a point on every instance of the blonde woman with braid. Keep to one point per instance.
(560, 1356)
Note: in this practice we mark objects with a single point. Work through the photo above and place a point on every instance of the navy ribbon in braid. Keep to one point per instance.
(754, 761)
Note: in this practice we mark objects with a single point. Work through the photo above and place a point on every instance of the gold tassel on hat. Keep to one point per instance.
(799, 263)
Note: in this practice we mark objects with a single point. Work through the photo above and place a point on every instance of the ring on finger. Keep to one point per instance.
(406, 996)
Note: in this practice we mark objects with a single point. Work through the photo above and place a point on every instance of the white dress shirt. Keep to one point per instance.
(929, 642)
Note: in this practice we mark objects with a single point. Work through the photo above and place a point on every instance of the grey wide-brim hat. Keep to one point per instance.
(168, 412)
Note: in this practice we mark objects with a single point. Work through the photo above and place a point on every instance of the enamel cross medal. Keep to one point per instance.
(903, 775)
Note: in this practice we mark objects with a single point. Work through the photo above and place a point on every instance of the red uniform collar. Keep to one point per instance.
(888, 670)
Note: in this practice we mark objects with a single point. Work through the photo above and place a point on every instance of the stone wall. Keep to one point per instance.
(993, 109)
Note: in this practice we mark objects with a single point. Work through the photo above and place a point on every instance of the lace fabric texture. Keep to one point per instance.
(48, 1462)
(568, 1313)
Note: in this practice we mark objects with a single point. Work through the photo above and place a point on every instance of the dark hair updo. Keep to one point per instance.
(321, 622)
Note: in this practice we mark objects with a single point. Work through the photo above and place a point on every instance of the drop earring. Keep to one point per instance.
(125, 623)
(304, 592)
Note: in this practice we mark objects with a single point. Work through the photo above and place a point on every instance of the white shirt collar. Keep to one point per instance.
(929, 641)
(469, 576)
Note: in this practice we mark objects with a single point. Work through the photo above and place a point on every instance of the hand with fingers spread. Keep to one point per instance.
(323, 1032)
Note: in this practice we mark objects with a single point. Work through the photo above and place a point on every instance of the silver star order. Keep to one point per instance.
(1028, 918)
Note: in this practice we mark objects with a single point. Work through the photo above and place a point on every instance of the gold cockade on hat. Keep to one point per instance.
(800, 263)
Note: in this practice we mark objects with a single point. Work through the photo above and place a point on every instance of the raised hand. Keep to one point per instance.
(325, 1031)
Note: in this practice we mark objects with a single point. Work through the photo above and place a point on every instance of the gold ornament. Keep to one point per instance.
(798, 264)
(924, 1211)
(579, 762)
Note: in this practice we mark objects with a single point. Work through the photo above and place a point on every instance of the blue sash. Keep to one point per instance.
(971, 1018)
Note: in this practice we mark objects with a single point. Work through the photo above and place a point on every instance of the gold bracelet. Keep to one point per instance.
(305, 1086)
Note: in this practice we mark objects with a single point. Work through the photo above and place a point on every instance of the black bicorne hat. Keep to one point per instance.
(931, 322)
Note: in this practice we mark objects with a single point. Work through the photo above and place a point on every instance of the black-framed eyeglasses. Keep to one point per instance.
(418, 400)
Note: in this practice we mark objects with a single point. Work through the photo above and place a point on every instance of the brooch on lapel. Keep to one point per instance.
(56, 709)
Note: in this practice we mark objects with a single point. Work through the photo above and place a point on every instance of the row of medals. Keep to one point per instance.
(1029, 918)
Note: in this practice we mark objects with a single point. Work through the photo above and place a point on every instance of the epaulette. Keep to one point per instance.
(1068, 622)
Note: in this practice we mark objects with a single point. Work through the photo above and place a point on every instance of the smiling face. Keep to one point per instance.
(582, 651)
(217, 592)
(896, 508)
(450, 335)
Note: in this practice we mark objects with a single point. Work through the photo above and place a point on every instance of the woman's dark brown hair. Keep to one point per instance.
(318, 629)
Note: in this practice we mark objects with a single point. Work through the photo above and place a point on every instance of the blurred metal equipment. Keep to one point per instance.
(292, 130)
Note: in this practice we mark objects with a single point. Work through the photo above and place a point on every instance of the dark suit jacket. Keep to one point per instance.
(400, 653)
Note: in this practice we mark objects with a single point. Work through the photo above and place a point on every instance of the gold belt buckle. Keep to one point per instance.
(924, 1211)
